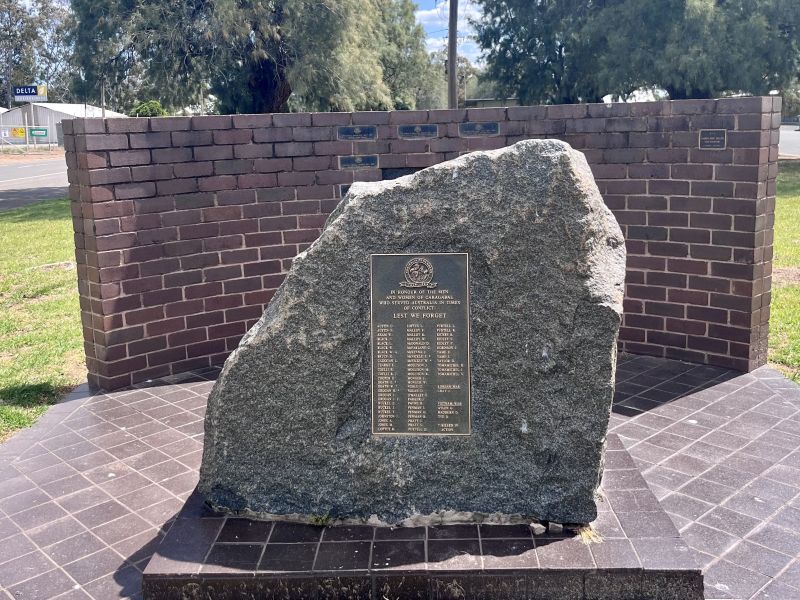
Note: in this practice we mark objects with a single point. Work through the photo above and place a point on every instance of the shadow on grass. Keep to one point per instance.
(31, 395)
(42, 204)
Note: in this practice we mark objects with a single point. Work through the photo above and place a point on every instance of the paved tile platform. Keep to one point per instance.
(641, 557)
(88, 493)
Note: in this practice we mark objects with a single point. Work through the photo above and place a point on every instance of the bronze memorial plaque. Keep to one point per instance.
(420, 344)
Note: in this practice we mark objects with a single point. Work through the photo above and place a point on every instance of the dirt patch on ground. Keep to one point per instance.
(7, 157)
(786, 275)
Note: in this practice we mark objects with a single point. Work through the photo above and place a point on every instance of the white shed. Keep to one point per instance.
(45, 114)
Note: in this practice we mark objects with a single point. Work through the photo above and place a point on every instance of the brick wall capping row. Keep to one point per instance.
(721, 106)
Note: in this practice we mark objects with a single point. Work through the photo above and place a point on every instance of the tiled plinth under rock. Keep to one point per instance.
(640, 557)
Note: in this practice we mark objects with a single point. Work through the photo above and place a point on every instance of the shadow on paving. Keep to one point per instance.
(644, 383)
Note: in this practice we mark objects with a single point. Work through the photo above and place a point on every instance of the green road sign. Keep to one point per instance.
(38, 131)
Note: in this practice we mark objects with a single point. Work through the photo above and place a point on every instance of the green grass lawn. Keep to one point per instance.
(41, 349)
(784, 331)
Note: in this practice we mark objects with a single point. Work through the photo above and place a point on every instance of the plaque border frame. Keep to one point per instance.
(700, 139)
(372, 353)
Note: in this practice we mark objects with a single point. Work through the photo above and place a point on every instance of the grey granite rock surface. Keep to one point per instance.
(288, 426)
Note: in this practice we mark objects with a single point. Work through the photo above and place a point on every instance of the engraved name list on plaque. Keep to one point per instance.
(419, 331)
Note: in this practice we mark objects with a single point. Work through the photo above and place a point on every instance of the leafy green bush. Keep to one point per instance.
(151, 108)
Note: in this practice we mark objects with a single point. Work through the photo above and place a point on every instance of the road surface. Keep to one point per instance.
(790, 142)
(23, 183)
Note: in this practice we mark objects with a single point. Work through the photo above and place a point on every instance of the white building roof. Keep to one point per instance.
(78, 110)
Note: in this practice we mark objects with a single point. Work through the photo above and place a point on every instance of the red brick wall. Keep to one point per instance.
(184, 227)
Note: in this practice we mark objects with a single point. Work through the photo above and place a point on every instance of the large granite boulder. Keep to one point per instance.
(288, 427)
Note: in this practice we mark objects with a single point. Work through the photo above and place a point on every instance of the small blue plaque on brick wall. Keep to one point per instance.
(343, 189)
(367, 161)
(478, 129)
(358, 132)
(411, 132)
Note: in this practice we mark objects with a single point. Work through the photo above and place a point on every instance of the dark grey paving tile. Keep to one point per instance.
(288, 557)
(607, 525)
(343, 556)
(707, 539)
(647, 524)
(564, 554)
(398, 555)
(453, 532)
(94, 566)
(685, 506)
(753, 506)
(615, 554)
(788, 517)
(23, 567)
(632, 500)
(15, 485)
(454, 554)
(665, 554)
(144, 497)
(757, 558)
(734, 579)
(791, 575)
(342, 533)
(777, 591)
(120, 529)
(734, 478)
(138, 549)
(245, 530)
(295, 532)
(624, 479)
(38, 515)
(509, 554)
(400, 533)
(230, 558)
(15, 546)
(23, 501)
(777, 538)
(125, 582)
(50, 584)
(521, 530)
(707, 491)
(729, 521)
(101, 513)
(68, 485)
(83, 499)
(74, 548)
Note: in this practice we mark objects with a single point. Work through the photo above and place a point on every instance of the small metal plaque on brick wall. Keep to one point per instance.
(415, 132)
(358, 132)
(419, 329)
(366, 161)
(343, 189)
(713, 139)
(478, 129)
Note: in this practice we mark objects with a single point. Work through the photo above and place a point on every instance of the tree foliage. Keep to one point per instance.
(149, 108)
(252, 55)
(561, 51)
(34, 47)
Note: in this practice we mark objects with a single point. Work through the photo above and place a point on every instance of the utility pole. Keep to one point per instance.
(103, 97)
(452, 56)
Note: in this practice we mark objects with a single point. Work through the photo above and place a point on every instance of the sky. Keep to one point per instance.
(433, 15)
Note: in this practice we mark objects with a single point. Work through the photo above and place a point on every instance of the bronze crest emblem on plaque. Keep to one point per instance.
(418, 274)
